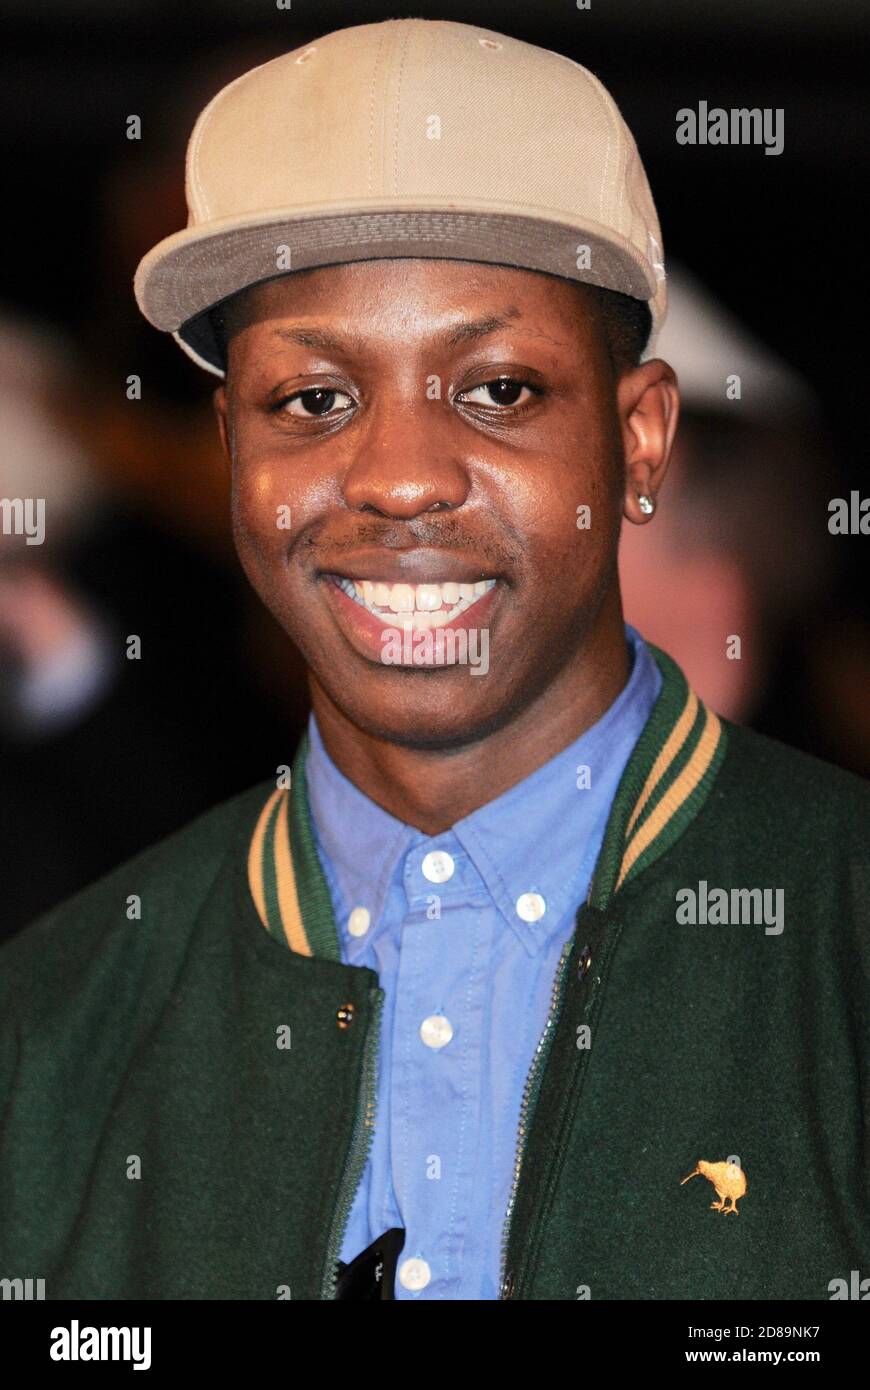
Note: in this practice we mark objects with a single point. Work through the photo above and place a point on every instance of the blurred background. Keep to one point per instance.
(101, 755)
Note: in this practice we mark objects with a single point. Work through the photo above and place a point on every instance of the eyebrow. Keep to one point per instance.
(479, 328)
(469, 331)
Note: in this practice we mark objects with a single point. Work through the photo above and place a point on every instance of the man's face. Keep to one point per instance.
(369, 445)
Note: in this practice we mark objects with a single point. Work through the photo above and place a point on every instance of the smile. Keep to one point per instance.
(418, 606)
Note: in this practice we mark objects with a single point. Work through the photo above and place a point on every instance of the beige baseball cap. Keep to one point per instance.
(411, 137)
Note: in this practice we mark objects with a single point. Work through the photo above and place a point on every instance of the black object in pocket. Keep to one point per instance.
(372, 1273)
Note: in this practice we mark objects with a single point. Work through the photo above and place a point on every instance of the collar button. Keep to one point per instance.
(438, 866)
(530, 907)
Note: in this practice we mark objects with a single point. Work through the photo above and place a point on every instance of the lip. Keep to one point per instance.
(421, 565)
(365, 632)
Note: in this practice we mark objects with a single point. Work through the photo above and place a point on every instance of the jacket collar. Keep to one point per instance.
(666, 782)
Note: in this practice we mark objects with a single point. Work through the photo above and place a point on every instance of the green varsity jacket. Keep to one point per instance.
(187, 1084)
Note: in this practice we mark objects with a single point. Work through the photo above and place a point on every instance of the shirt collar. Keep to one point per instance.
(534, 846)
(359, 842)
(541, 837)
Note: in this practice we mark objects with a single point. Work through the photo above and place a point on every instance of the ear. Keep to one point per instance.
(648, 400)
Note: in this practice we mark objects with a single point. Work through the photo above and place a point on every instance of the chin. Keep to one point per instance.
(437, 710)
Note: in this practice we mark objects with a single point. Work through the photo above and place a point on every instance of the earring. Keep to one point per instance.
(646, 504)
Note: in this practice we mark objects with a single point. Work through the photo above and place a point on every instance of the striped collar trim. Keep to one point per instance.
(282, 855)
(666, 782)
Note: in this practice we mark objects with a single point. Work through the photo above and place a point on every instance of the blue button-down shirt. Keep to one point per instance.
(465, 930)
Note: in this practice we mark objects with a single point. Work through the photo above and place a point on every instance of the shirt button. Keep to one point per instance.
(531, 907)
(359, 921)
(438, 866)
(414, 1274)
(436, 1030)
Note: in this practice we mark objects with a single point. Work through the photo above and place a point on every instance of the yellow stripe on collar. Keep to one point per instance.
(672, 746)
(679, 792)
(272, 878)
(255, 858)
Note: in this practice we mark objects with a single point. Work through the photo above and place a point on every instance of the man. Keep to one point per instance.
(530, 937)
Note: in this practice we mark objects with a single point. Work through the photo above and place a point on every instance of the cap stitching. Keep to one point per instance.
(381, 39)
(405, 45)
(198, 263)
(601, 214)
(199, 253)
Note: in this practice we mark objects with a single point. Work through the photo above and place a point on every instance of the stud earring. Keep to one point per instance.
(646, 504)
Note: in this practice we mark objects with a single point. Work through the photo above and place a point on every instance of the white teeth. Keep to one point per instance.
(414, 606)
(428, 598)
(402, 598)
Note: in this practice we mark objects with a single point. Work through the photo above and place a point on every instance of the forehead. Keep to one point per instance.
(412, 295)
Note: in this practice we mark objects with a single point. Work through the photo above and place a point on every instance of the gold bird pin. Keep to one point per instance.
(728, 1179)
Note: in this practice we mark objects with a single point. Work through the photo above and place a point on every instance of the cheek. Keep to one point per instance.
(270, 504)
(255, 499)
(566, 509)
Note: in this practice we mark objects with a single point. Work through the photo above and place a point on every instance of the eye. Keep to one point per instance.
(504, 391)
(314, 403)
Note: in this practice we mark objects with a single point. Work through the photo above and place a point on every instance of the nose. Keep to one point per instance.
(406, 463)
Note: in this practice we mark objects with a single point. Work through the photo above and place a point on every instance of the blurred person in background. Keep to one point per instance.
(98, 755)
(740, 549)
(741, 546)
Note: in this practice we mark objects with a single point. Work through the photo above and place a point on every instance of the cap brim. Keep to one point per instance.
(185, 276)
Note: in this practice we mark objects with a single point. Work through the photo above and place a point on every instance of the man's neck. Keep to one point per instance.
(432, 789)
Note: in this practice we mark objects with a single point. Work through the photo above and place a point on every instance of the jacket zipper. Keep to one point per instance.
(530, 1096)
(360, 1144)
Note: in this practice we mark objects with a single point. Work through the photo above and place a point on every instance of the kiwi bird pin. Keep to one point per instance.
(728, 1180)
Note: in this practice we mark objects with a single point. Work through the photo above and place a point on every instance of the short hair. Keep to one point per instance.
(626, 323)
(218, 321)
